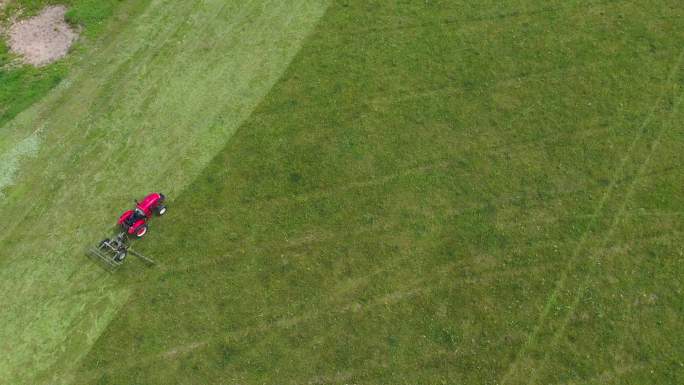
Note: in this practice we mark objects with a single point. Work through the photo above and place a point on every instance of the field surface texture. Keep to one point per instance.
(368, 192)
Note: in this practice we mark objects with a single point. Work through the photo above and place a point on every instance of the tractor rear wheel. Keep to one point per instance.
(141, 231)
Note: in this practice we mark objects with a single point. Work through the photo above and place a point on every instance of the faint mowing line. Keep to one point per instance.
(422, 169)
(469, 277)
(481, 18)
(611, 376)
(501, 201)
(414, 288)
(221, 259)
(655, 214)
(571, 261)
(383, 97)
(609, 234)
(508, 199)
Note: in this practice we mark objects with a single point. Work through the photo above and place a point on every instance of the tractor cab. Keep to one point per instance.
(139, 214)
(130, 217)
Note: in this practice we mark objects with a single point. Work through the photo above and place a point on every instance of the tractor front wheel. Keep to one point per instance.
(161, 210)
(141, 231)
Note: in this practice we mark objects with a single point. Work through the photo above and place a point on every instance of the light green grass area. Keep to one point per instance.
(369, 192)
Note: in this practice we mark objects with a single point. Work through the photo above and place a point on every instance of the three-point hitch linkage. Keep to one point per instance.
(111, 253)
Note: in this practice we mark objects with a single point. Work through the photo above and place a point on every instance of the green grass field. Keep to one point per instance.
(361, 192)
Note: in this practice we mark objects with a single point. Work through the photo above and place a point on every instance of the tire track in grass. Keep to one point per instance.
(198, 268)
(488, 17)
(572, 260)
(181, 103)
(285, 321)
(500, 202)
(450, 270)
(619, 216)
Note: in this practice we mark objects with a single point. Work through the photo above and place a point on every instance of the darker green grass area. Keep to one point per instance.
(435, 192)
(23, 85)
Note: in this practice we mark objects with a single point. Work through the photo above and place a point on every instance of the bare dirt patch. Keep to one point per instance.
(44, 38)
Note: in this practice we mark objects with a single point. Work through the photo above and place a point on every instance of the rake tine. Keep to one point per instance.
(103, 260)
(145, 259)
(109, 249)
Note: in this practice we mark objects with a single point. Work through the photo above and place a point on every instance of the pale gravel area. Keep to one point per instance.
(42, 39)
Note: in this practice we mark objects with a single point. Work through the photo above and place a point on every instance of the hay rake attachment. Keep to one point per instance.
(111, 253)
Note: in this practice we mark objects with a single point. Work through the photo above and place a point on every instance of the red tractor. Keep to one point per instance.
(134, 222)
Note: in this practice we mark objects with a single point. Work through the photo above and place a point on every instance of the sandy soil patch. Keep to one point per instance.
(43, 38)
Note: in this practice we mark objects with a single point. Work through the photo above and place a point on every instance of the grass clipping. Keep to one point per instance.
(44, 38)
